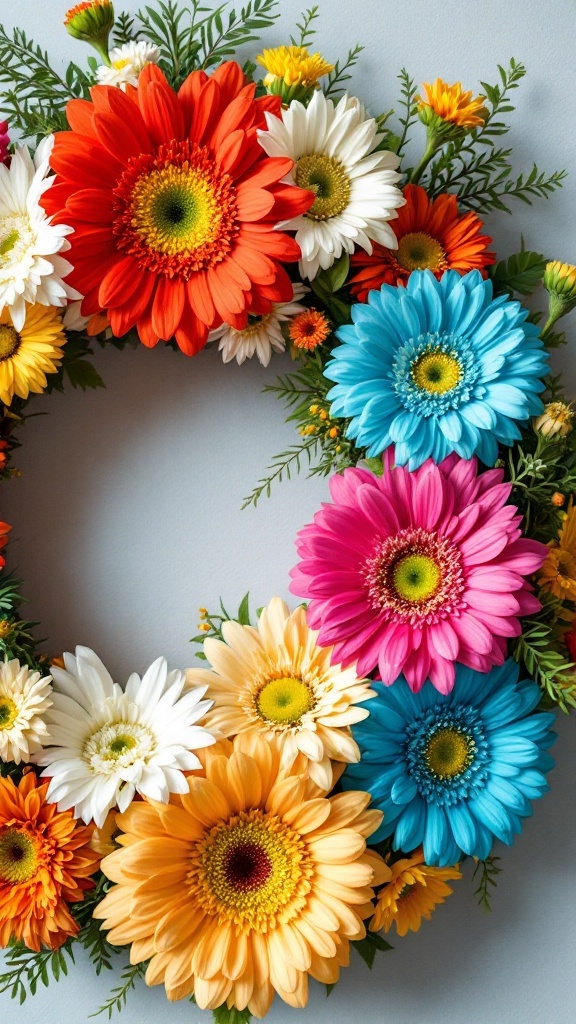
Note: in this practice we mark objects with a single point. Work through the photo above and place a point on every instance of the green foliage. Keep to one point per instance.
(539, 649)
(75, 367)
(487, 872)
(17, 639)
(369, 946)
(520, 273)
(478, 169)
(537, 467)
(306, 27)
(34, 94)
(119, 995)
(342, 73)
(125, 29)
(223, 1015)
(407, 110)
(327, 283)
(216, 620)
(26, 969)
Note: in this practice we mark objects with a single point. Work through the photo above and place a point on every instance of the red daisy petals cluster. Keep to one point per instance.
(431, 235)
(174, 206)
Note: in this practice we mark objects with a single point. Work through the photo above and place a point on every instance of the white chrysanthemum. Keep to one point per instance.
(356, 188)
(107, 744)
(126, 63)
(263, 334)
(31, 267)
(277, 682)
(24, 700)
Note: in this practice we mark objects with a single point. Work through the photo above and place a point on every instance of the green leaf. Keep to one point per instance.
(224, 1015)
(369, 946)
(244, 611)
(521, 272)
(330, 988)
(82, 374)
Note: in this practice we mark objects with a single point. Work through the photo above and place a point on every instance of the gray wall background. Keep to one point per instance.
(127, 518)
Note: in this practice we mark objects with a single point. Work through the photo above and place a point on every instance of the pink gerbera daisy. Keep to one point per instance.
(413, 571)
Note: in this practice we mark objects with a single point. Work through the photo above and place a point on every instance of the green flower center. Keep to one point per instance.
(18, 856)
(8, 243)
(436, 372)
(8, 712)
(327, 178)
(449, 752)
(9, 341)
(175, 210)
(416, 578)
(418, 251)
(406, 890)
(284, 701)
(121, 744)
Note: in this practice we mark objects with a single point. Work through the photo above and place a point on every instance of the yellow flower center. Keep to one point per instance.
(419, 251)
(9, 341)
(175, 210)
(449, 752)
(416, 577)
(18, 856)
(118, 745)
(327, 178)
(284, 701)
(249, 869)
(436, 372)
(120, 63)
(566, 565)
(8, 713)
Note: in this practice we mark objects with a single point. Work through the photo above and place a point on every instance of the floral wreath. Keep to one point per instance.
(233, 830)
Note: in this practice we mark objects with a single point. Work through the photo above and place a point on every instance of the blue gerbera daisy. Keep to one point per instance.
(453, 773)
(437, 367)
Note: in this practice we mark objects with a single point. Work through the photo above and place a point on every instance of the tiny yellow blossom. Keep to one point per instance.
(293, 73)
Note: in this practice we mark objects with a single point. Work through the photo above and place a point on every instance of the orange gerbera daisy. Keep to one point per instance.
(174, 205)
(309, 329)
(245, 885)
(558, 574)
(431, 235)
(45, 863)
(4, 531)
(412, 893)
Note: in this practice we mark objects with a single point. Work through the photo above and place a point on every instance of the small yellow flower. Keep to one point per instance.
(451, 105)
(555, 420)
(5, 628)
(204, 627)
(203, 613)
(293, 73)
(412, 893)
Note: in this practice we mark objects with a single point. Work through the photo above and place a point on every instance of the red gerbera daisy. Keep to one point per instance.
(174, 205)
(431, 236)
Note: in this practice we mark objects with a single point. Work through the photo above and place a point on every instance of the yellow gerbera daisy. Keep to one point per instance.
(412, 893)
(276, 681)
(245, 885)
(27, 355)
(452, 104)
(558, 574)
(293, 65)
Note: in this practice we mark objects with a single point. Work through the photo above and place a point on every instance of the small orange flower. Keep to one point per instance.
(412, 893)
(45, 864)
(452, 104)
(558, 574)
(309, 329)
(3, 456)
(4, 531)
(431, 235)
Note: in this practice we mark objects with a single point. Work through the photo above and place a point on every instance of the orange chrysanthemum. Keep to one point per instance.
(309, 329)
(412, 893)
(45, 864)
(558, 574)
(245, 885)
(452, 104)
(4, 531)
(431, 235)
(174, 205)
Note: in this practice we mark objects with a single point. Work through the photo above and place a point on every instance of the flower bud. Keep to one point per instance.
(92, 21)
(555, 421)
(560, 283)
(293, 73)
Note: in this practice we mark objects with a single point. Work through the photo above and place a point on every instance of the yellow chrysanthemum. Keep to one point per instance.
(244, 886)
(293, 65)
(556, 420)
(558, 574)
(26, 356)
(412, 893)
(276, 681)
(451, 104)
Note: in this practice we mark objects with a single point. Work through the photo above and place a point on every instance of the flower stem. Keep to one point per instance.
(431, 147)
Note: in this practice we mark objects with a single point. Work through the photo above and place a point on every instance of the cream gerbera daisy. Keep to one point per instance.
(333, 148)
(263, 334)
(248, 883)
(126, 63)
(24, 700)
(276, 681)
(31, 267)
(28, 354)
(107, 744)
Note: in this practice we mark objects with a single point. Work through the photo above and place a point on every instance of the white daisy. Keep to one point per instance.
(24, 700)
(126, 63)
(107, 744)
(31, 269)
(263, 334)
(333, 148)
